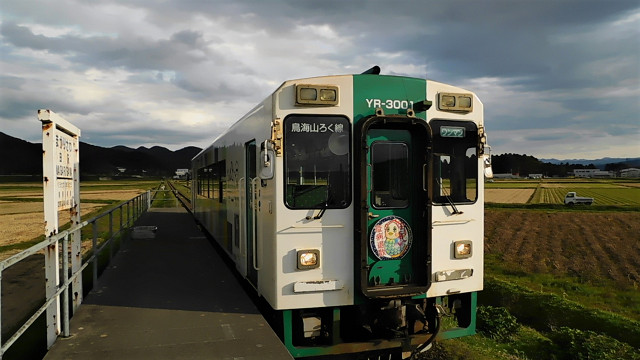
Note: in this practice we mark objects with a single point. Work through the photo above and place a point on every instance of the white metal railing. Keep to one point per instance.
(129, 212)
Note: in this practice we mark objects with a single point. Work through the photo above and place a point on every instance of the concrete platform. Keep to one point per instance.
(168, 297)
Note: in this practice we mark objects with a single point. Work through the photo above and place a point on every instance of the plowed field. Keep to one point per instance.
(587, 245)
(508, 196)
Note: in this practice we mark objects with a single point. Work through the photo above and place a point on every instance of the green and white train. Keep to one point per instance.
(354, 206)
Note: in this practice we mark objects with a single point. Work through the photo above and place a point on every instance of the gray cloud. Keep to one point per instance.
(547, 66)
(185, 47)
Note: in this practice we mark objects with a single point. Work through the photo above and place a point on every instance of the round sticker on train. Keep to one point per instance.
(391, 238)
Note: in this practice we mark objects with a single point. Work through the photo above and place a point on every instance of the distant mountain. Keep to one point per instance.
(599, 163)
(24, 158)
(19, 156)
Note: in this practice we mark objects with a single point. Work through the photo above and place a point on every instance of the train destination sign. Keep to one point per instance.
(316, 127)
(452, 131)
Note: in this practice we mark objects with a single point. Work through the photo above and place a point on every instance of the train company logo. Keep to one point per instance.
(391, 238)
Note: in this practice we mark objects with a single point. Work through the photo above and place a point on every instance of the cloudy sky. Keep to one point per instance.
(559, 78)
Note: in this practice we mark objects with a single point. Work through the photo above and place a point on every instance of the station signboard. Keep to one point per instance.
(60, 165)
(61, 191)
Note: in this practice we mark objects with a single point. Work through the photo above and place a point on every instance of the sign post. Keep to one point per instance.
(61, 185)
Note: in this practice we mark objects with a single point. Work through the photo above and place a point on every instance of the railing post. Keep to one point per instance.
(52, 280)
(76, 265)
(111, 234)
(94, 243)
(65, 283)
(1, 342)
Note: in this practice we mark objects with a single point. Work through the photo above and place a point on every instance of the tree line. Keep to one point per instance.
(526, 164)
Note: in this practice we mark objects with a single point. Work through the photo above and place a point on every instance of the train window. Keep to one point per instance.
(455, 162)
(389, 171)
(220, 181)
(212, 181)
(205, 177)
(317, 162)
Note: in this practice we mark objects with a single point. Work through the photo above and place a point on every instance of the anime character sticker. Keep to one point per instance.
(391, 238)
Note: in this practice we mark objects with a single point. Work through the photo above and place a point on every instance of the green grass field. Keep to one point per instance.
(601, 195)
(616, 192)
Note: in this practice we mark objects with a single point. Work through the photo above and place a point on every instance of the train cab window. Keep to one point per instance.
(455, 162)
(389, 171)
(317, 162)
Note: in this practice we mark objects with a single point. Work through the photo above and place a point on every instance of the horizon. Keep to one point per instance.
(188, 146)
(558, 79)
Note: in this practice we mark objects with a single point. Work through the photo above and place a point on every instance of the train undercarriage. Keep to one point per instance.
(400, 328)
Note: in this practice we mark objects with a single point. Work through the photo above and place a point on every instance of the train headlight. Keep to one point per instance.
(308, 259)
(316, 94)
(328, 94)
(307, 94)
(462, 249)
(455, 102)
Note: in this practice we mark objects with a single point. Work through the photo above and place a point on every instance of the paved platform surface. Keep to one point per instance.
(168, 297)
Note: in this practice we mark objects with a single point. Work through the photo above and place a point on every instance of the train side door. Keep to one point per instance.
(250, 212)
(394, 208)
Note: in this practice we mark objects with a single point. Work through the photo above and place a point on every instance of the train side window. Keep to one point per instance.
(317, 162)
(221, 179)
(205, 178)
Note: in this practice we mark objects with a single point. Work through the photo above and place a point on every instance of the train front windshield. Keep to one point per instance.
(455, 161)
(317, 162)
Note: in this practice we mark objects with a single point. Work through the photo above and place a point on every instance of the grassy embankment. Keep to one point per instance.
(584, 302)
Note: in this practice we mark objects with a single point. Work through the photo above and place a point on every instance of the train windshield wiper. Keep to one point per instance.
(321, 212)
(453, 206)
(446, 195)
(324, 207)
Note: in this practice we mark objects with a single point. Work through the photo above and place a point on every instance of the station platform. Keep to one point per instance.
(168, 296)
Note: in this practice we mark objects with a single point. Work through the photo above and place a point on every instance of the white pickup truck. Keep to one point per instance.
(572, 199)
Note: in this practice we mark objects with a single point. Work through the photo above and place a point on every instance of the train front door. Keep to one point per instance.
(250, 212)
(394, 246)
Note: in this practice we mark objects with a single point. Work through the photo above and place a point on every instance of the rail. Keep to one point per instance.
(185, 200)
(129, 211)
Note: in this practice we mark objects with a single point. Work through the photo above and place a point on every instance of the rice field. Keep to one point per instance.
(616, 192)
(623, 196)
(22, 208)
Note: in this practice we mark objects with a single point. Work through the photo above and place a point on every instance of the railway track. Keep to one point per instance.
(184, 199)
